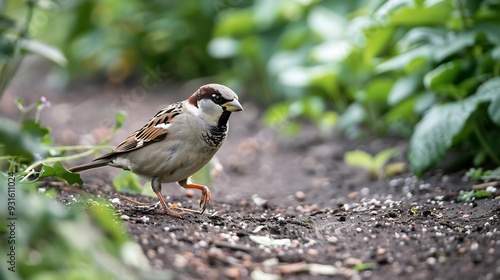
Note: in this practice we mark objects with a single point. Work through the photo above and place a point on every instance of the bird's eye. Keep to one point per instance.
(217, 98)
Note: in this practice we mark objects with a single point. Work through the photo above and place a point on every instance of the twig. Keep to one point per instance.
(223, 244)
(485, 185)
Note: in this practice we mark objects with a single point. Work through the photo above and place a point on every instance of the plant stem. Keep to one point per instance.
(463, 15)
(31, 168)
(482, 139)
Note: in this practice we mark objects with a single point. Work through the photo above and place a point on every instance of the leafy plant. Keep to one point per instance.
(47, 240)
(477, 174)
(376, 166)
(286, 116)
(421, 69)
(120, 39)
(468, 196)
(445, 125)
(15, 42)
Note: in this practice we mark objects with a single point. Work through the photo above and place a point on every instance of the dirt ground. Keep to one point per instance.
(285, 207)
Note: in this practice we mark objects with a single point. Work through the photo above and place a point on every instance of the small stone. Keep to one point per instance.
(474, 246)
(151, 254)
(380, 251)
(300, 196)
(491, 189)
(312, 252)
(160, 250)
(189, 193)
(431, 261)
(332, 239)
(233, 273)
(350, 262)
(125, 217)
(353, 195)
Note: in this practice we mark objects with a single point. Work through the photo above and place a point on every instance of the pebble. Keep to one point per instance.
(151, 254)
(115, 200)
(233, 273)
(332, 239)
(431, 261)
(353, 195)
(312, 252)
(189, 193)
(300, 196)
(474, 246)
(125, 217)
(160, 250)
(350, 262)
(491, 189)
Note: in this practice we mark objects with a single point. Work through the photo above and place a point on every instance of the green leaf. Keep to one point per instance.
(277, 114)
(59, 171)
(7, 48)
(494, 109)
(489, 91)
(363, 266)
(444, 74)
(235, 24)
(44, 50)
(35, 128)
(359, 158)
(401, 61)
(422, 15)
(383, 157)
(120, 118)
(377, 40)
(352, 117)
(19, 143)
(127, 181)
(434, 134)
(378, 89)
(469, 196)
(454, 44)
(403, 88)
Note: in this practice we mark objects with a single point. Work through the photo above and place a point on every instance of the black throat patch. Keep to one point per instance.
(217, 134)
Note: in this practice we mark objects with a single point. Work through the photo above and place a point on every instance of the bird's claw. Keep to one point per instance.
(205, 199)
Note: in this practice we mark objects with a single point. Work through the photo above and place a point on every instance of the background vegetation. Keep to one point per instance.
(427, 70)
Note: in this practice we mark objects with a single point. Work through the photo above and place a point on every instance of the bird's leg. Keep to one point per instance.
(156, 186)
(205, 192)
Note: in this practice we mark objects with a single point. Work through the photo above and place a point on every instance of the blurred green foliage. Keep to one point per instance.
(377, 165)
(121, 38)
(425, 69)
(15, 41)
(49, 241)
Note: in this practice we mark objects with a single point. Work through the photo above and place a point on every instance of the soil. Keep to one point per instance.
(287, 206)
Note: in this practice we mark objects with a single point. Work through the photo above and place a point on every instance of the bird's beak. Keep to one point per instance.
(233, 106)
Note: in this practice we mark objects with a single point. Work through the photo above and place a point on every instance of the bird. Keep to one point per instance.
(175, 143)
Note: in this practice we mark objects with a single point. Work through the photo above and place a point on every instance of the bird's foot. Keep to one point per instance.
(169, 212)
(205, 195)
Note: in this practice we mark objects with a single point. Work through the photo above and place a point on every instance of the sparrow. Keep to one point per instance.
(176, 142)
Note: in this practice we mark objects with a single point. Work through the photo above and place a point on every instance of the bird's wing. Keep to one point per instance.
(156, 129)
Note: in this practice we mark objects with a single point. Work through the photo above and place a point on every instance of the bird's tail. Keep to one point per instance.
(95, 164)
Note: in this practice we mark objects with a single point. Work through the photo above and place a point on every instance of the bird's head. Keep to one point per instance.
(215, 103)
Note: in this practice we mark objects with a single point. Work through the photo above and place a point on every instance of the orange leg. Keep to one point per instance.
(156, 186)
(205, 193)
